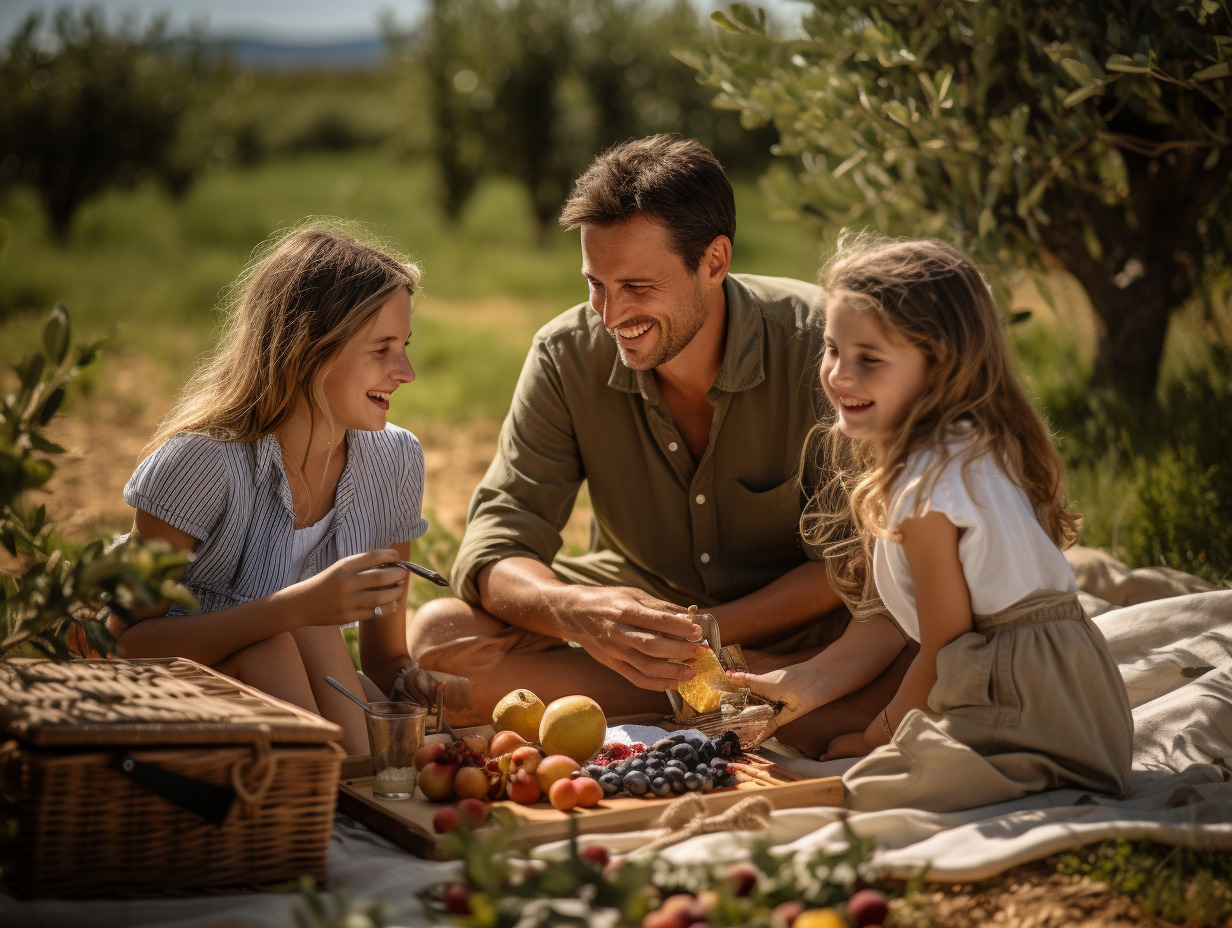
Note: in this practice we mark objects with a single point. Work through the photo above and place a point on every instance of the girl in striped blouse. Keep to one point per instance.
(277, 468)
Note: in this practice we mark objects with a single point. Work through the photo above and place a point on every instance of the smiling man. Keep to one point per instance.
(681, 395)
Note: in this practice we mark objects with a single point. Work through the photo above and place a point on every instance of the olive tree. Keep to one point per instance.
(94, 108)
(1092, 135)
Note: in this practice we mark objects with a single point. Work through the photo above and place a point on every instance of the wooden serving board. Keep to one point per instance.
(408, 822)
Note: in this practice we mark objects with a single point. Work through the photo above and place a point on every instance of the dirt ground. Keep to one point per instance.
(107, 430)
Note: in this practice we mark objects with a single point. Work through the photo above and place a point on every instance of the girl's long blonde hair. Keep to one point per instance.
(305, 293)
(931, 294)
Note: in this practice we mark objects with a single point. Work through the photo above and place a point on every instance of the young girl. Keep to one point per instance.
(958, 497)
(278, 469)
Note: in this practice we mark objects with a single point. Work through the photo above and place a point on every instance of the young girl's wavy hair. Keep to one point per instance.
(306, 292)
(931, 295)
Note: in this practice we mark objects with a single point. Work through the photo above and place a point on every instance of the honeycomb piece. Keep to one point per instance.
(705, 690)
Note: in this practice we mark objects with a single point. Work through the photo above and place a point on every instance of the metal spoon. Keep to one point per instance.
(345, 692)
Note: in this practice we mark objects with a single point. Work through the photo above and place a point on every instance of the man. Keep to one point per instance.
(682, 395)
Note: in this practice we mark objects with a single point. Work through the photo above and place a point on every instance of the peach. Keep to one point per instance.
(471, 782)
(428, 753)
(524, 788)
(436, 780)
(555, 767)
(505, 742)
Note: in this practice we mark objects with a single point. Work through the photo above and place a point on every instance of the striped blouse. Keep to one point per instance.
(233, 497)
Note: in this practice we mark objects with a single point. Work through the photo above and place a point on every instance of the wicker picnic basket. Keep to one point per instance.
(149, 777)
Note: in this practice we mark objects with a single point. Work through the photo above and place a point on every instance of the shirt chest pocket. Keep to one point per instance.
(763, 526)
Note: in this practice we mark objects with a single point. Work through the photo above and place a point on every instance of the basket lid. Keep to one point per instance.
(137, 702)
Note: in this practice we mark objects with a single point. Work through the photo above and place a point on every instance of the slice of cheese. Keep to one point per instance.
(707, 687)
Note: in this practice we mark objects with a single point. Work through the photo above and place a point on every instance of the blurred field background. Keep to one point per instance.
(144, 264)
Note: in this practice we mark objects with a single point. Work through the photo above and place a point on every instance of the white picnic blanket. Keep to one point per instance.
(1181, 791)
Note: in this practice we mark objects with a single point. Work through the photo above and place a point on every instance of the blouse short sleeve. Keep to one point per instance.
(407, 467)
(184, 483)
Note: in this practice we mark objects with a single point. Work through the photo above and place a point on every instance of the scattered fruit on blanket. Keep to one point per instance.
(472, 812)
(457, 899)
(819, 918)
(428, 753)
(595, 854)
(476, 743)
(868, 907)
(555, 767)
(785, 913)
(472, 782)
(446, 820)
(527, 757)
(743, 878)
(506, 742)
(519, 711)
(436, 780)
(573, 725)
(523, 787)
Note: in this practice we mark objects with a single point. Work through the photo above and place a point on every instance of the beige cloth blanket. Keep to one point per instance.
(1163, 627)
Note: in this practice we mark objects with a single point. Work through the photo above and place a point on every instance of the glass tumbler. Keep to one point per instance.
(395, 733)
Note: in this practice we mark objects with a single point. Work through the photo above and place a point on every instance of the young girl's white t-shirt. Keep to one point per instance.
(1004, 551)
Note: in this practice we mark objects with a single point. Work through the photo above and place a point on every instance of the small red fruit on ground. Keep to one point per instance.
(472, 812)
(868, 907)
(457, 899)
(595, 854)
(446, 820)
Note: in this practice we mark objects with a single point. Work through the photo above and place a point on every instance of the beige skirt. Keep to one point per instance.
(1030, 700)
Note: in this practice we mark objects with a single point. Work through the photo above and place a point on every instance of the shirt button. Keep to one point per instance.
(672, 446)
(701, 498)
(705, 558)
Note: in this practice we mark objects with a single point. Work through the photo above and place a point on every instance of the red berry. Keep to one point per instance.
(595, 854)
(457, 899)
(743, 878)
(868, 907)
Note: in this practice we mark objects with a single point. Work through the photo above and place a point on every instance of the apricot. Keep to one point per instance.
(524, 788)
(563, 795)
(589, 792)
(428, 753)
(527, 757)
(555, 767)
(436, 780)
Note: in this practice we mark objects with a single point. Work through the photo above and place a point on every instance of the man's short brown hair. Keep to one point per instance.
(673, 180)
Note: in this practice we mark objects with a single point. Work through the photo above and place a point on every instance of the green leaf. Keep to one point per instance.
(56, 335)
(36, 472)
(1221, 69)
(1082, 93)
(1138, 64)
(39, 443)
(4, 235)
(51, 405)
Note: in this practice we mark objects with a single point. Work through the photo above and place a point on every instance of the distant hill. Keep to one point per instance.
(270, 55)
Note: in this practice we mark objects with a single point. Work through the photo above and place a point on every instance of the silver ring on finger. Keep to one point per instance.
(377, 612)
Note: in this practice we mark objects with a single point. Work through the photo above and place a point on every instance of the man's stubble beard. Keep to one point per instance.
(672, 339)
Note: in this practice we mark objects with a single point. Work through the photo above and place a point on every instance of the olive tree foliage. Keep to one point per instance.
(87, 107)
(53, 594)
(1093, 135)
(533, 89)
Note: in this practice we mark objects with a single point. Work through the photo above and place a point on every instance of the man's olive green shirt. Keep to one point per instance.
(703, 532)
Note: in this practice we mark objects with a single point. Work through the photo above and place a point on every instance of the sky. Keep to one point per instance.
(308, 21)
(282, 20)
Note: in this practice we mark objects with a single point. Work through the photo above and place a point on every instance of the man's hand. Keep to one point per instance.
(632, 632)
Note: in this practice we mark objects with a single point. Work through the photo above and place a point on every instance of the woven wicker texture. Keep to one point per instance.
(84, 828)
(163, 701)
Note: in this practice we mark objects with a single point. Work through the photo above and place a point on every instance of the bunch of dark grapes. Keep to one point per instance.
(673, 766)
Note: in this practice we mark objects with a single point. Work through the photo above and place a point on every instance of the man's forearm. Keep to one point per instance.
(525, 593)
(790, 603)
